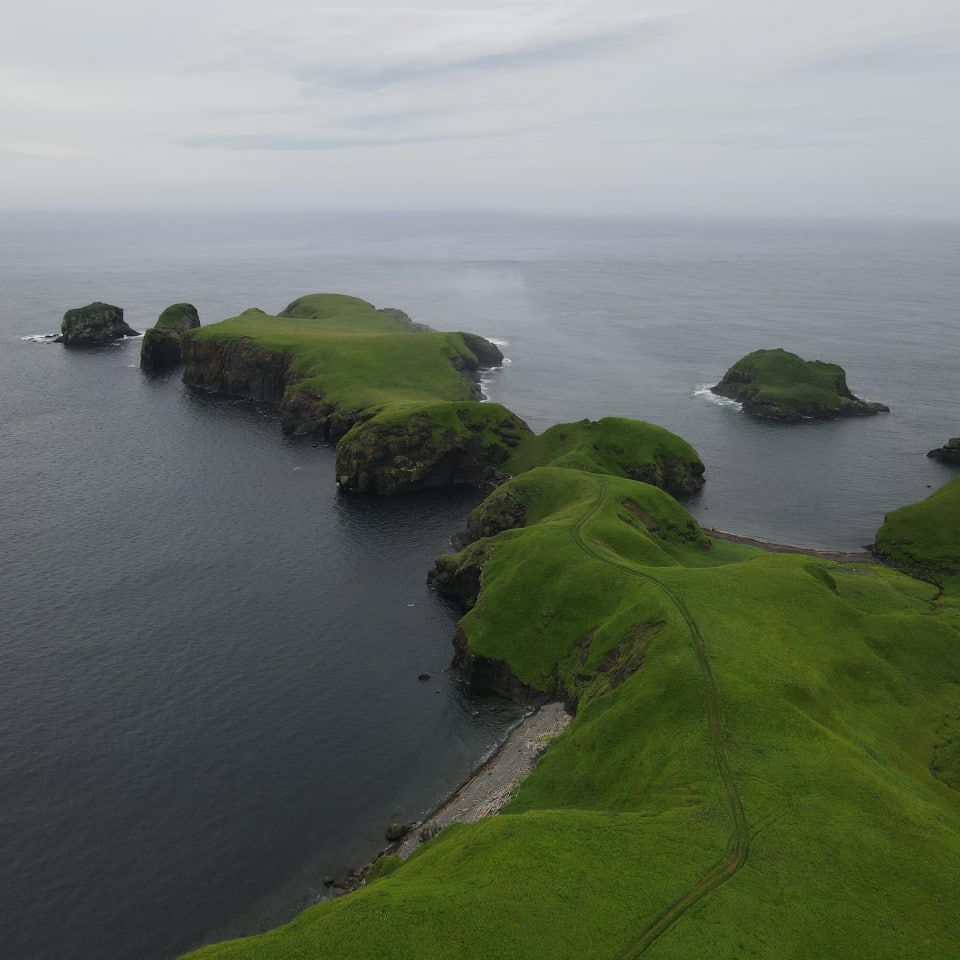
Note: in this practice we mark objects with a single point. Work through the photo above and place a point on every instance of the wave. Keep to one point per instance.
(705, 393)
(40, 337)
(499, 343)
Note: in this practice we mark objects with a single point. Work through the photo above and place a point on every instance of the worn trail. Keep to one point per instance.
(738, 850)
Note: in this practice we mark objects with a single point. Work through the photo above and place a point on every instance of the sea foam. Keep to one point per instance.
(705, 393)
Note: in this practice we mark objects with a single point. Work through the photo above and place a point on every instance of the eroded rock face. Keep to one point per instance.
(161, 347)
(96, 323)
(239, 368)
(949, 453)
(415, 454)
(488, 354)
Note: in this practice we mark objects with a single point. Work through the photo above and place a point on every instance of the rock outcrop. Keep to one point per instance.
(949, 453)
(778, 385)
(162, 343)
(95, 324)
(429, 445)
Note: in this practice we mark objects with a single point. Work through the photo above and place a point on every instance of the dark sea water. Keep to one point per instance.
(209, 658)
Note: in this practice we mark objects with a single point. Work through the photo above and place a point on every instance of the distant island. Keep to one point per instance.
(778, 385)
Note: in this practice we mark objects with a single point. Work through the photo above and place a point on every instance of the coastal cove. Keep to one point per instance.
(349, 570)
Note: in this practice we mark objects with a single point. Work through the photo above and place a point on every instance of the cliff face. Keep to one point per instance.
(239, 368)
(161, 347)
(431, 445)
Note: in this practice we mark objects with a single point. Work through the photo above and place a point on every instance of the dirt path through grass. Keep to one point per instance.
(739, 847)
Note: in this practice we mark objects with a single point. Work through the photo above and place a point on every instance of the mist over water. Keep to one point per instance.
(208, 657)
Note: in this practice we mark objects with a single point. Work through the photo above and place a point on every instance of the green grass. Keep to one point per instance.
(617, 447)
(785, 380)
(730, 700)
(925, 535)
(178, 316)
(356, 356)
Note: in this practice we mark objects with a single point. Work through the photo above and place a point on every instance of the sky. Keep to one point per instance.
(759, 108)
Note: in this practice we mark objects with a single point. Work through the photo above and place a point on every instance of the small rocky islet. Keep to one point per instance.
(94, 325)
(782, 386)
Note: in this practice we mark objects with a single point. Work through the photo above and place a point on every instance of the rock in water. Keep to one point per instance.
(949, 453)
(778, 385)
(162, 346)
(396, 831)
(94, 324)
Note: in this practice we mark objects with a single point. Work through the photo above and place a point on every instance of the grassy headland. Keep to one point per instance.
(404, 399)
(778, 385)
(750, 771)
(925, 536)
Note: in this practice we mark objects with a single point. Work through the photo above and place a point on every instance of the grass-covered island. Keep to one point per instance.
(765, 755)
(403, 398)
(778, 385)
(161, 347)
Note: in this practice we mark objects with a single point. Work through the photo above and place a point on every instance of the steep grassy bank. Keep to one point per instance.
(749, 772)
(925, 536)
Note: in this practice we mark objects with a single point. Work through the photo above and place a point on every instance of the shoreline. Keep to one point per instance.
(839, 556)
(483, 793)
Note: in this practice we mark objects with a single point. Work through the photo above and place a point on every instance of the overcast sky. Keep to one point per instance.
(756, 107)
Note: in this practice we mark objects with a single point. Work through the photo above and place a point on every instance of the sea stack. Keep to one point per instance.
(778, 385)
(96, 323)
(162, 347)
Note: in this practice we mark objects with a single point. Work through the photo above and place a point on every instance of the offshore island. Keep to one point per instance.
(764, 757)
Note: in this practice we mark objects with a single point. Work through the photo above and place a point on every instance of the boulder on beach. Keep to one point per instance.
(94, 324)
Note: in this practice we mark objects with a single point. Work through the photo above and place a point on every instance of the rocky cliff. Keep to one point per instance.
(161, 348)
(949, 453)
(429, 445)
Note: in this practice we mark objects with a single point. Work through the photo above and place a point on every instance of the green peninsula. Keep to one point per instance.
(402, 400)
(778, 385)
(763, 761)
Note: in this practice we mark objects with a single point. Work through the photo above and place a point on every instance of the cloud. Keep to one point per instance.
(894, 56)
(319, 142)
(510, 54)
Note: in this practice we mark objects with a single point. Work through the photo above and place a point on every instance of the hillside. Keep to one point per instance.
(762, 762)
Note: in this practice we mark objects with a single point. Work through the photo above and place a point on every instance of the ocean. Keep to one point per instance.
(209, 658)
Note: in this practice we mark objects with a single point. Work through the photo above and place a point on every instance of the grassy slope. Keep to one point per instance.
(834, 685)
(355, 355)
(613, 446)
(925, 534)
(786, 380)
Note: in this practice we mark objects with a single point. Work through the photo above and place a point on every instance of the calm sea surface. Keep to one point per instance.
(209, 658)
